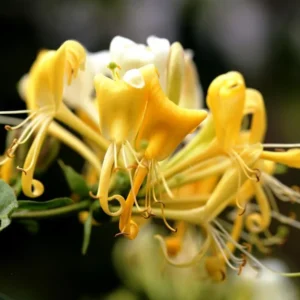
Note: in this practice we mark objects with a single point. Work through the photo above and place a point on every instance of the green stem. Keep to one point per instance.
(25, 214)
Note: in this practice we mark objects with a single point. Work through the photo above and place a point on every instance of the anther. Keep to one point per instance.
(243, 210)
(248, 247)
(148, 215)
(22, 170)
(121, 233)
(8, 154)
(257, 174)
(243, 264)
(7, 127)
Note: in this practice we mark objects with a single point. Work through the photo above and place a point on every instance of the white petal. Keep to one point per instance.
(192, 93)
(98, 62)
(160, 48)
(118, 46)
(80, 89)
(135, 57)
(134, 78)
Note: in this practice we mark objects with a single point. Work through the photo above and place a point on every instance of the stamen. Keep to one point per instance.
(243, 264)
(160, 202)
(281, 145)
(246, 169)
(15, 112)
(165, 184)
(132, 151)
(33, 160)
(242, 208)
(32, 126)
(251, 256)
(216, 240)
(22, 170)
(130, 177)
(121, 233)
(280, 190)
(164, 218)
(8, 127)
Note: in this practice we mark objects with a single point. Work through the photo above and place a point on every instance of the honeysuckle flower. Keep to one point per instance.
(157, 138)
(44, 95)
(122, 104)
(129, 55)
(177, 74)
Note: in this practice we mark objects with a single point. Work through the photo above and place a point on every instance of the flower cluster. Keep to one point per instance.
(138, 111)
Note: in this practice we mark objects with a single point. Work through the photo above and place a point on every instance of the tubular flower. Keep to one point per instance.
(44, 94)
(122, 104)
(157, 138)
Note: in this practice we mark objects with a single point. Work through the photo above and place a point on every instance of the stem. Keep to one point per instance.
(25, 214)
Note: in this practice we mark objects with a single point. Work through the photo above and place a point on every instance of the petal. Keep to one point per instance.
(121, 107)
(49, 71)
(135, 57)
(117, 47)
(98, 61)
(165, 124)
(175, 72)
(255, 106)
(226, 100)
(134, 78)
(192, 93)
(160, 47)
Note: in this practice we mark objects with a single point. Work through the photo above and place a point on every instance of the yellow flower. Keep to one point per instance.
(158, 137)
(44, 95)
(122, 103)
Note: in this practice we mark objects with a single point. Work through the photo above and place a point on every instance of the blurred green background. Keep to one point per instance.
(260, 38)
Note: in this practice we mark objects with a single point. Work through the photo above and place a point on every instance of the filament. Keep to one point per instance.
(7, 127)
(130, 177)
(281, 145)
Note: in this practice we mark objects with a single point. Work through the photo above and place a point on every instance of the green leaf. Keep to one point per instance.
(8, 203)
(43, 205)
(75, 181)
(87, 230)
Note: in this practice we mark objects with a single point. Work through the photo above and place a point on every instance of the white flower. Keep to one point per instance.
(129, 55)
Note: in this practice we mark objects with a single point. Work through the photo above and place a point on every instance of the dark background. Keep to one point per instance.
(259, 38)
